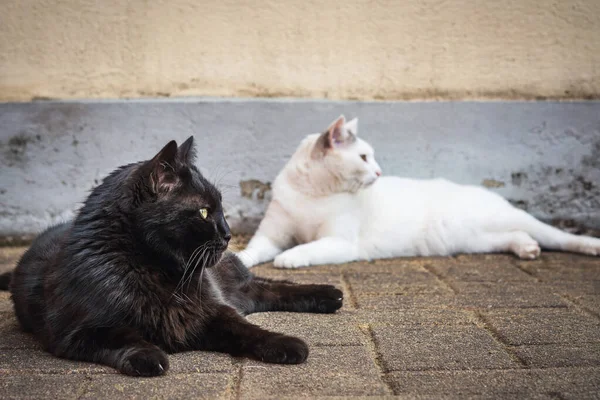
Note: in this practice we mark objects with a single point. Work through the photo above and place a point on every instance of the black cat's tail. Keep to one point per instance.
(5, 280)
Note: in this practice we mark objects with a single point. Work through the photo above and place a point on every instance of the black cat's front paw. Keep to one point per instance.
(281, 349)
(328, 299)
(145, 362)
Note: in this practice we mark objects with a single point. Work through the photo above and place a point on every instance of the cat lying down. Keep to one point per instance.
(143, 271)
(331, 201)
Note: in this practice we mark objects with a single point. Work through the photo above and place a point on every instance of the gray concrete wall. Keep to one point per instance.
(543, 156)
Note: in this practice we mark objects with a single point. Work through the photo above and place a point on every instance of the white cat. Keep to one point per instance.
(330, 201)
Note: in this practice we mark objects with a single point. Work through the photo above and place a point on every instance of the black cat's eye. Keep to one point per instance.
(364, 157)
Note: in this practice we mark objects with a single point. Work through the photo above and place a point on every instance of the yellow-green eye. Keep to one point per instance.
(203, 213)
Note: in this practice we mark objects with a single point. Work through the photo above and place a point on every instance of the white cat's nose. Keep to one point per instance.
(378, 172)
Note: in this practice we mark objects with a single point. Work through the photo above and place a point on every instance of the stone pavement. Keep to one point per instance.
(486, 326)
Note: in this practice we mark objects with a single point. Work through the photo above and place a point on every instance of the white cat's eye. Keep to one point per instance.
(364, 157)
(203, 213)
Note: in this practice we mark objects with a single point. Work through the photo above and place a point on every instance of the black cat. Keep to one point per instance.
(142, 271)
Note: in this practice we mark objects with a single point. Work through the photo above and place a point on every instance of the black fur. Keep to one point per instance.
(139, 273)
(5, 280)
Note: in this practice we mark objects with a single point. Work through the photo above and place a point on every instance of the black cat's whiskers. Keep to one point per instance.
(197, 254)
(210, 246)
(191, 275)
(219, 176)
(199, 289)
(191, 260)
(193, 256)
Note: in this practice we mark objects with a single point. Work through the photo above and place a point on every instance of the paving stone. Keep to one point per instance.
(589, 302)
(563, 257)
(394, 265)
(316, 329)
(36, 361)
(558, 383)
(9, 256)
(486, 259)
(543, 326)
(574, 288)
(200, 361)
(169, 386)
(302, 277)
(20, 361)
(406, 281)
(6, 304)
(479, 271)
(417, 317)
(329, 371)
(268, 269)
(238, 242)
(560, 355)
(505, 295)
(408, 301)
(373, 266)
(42, 386)
(12, 337)
(438, 347)
(568, 268)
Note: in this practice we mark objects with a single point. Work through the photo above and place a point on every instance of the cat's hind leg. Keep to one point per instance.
(123, 349)
(517, 242)
(555, 239)
(550, 237)
(524, 246)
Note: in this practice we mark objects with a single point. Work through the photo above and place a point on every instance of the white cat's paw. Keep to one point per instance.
(528, 250)
(246, 259)
(291, 259)
(589, 246)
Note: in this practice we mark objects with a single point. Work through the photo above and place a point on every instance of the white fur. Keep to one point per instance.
(331, 203)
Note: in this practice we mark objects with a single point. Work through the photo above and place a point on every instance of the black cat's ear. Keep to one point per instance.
(187, 151)
(162, 169)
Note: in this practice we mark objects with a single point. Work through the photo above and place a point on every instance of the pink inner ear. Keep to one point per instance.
(336, 132)
(163, 178)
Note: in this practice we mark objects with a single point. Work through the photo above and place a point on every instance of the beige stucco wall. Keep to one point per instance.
(306, 48)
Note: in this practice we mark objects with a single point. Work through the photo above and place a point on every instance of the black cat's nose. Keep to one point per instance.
(225, 240)
(225, 233)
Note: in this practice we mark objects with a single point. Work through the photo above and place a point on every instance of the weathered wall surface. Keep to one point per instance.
(355, 49)
(545, 157)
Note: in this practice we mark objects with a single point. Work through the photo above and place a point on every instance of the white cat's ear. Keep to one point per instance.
(334, 137)
(352, 126)
(337, 133)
